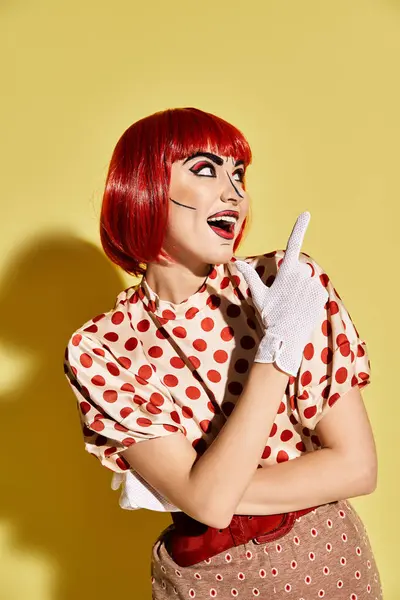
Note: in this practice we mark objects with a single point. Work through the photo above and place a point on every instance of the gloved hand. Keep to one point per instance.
(290, 308)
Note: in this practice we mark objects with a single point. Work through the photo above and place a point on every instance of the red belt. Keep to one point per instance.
(190, 541)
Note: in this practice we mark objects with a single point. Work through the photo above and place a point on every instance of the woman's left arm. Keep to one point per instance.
(345, 466)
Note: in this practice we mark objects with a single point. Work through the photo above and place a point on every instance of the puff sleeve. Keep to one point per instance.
(118, 405)
(334, 360)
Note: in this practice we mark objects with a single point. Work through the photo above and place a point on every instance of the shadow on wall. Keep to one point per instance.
(55, 495)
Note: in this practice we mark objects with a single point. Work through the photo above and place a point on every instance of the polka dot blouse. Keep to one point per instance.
(149, 368)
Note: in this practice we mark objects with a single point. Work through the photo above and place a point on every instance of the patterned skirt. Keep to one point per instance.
(327, 554)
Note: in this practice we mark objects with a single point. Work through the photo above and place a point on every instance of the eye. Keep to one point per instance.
(200, 167)
(240, 172)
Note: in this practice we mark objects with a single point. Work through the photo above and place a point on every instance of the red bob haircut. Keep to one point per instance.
(134, 212)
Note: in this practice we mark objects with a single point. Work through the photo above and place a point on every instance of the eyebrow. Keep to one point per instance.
(216, 159)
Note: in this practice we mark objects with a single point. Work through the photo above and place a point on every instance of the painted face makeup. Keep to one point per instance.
(225, 223)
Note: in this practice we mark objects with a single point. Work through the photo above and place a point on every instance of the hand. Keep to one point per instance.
(290, 308)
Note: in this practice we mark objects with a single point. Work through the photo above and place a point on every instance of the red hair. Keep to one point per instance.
(134, 212)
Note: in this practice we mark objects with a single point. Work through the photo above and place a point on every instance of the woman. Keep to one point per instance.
(233, 369)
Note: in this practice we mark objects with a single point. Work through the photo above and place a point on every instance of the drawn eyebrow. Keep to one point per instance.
(216, 159)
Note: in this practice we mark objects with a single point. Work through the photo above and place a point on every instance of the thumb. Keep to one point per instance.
(258, 289)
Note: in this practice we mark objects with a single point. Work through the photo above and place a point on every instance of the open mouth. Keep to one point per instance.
(223, 226)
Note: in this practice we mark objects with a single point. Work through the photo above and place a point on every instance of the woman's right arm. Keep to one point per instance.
(209, 488)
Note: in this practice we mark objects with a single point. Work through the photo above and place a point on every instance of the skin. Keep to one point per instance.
(189, 239)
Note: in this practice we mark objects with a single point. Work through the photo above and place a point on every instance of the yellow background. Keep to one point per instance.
(315, 88)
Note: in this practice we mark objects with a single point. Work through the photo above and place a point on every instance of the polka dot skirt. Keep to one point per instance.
(327, 554)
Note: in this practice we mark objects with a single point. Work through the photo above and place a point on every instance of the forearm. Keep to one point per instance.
(222, 473)
(312, 479)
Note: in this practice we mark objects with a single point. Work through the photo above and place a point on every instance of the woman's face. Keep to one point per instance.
(202, 185)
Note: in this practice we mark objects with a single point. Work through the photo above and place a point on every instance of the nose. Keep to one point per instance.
(231, 191)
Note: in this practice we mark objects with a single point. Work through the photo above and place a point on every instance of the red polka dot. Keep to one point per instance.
(227, 334)
(241, 365)
(97, 425)
(286, 435)
(195, 361)
(333, 307)
(233, 311)
(145, 372)
(266, 452)
(199, 345)
(224, 283)
(127, 387)
(273, 431)
(126, 411)
(333, 399)
(143, 325)
(326, 355)
(304, 395)
(191, 312)
(98, 317)
(110, 451)
(98, 380)
(177, 362)
(213, 376)
(128, 441)
(220, 356)
(112, 368)
(324, 279)
(125, 362)
(192, 392)
(111, 336)
(131, 344)
(85, 407)
(153, 409)
(187, 412)
(205, 425)
(281, 408)
(235, 388)
(117, 317)
(179, 332)
(326, 328)
(282, 456)
(86, 360)
(310, 412)
(213, 301)
(174, 417)
(341, 375)
(170, 380)
(122, 463)
(155, 351)
(76, 339)
(306, 378)
(157, 399)
(308, 351)
(207, 324)
(168, 314)
(247, 342)
(360, 350)
(110, 395)
(162, 334)
(144, 422)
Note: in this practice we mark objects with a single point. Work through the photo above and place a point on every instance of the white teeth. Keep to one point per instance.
(226, 218)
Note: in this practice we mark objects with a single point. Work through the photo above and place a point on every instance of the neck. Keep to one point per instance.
(175, 282)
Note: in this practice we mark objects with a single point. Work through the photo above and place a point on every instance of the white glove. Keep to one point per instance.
(137, 493)
(290, 308)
